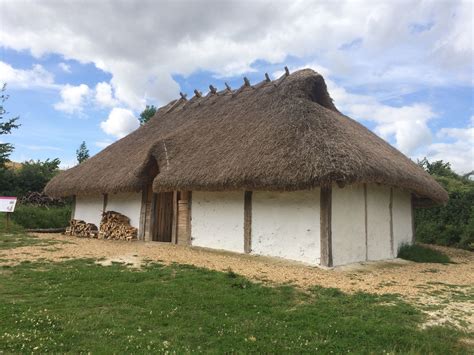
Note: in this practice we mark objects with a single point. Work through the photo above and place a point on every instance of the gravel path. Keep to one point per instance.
(414, 281)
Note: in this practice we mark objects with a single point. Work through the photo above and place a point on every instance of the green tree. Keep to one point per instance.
(438, 168)
(6, 125)
(31, 176)
(82, 153)
(147, 114)
(452, 224)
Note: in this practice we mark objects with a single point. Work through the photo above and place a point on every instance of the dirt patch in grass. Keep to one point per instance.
(416, 282)
(128, 260)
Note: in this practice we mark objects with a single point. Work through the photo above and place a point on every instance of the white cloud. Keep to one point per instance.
(120, 122)
(104, 95)
(407, 125)
(72, 98)
(227, 37)
(466, 134)
(459, 150)
(37, 76)
(379, 46)
(65, 67)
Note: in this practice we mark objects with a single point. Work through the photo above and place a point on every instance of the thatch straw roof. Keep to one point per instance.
(277, 135)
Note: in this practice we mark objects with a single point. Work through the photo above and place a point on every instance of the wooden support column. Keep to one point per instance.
(141, 227)
(390, 208)
(105, 201)
(248, 222)
(73, 209)
(366, 225)
(149, 214)
(325, 225)
(183, 226)
(174, 226)
(413, 229)
(190, 204)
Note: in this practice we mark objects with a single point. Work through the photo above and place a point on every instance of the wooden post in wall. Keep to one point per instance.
(183, 221)
(190, 203)
(413, 228)
(366, 224)
(143, 211)
(174, 226)
(325, 225)
(73, 209)
(104, 205)
(390, 208)
(149, 212)
(248, 222)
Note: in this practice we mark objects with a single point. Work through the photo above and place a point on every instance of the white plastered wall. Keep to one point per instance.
(89, 208)
(378, 223)
(287, 225)
(217, 220)
(348, 224)
(402, 219)
(128, 204)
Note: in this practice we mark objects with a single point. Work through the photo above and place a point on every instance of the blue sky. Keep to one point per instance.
(85, 70)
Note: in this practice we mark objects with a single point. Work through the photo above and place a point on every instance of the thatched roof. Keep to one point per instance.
(277, 135)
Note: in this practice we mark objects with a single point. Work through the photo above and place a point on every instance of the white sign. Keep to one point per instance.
(7, 204)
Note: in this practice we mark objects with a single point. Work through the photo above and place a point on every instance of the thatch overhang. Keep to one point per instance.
(280, 135)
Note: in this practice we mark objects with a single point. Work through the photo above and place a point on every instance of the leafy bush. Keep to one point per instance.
(453, 224)
(32, 217)
(31, 176)
(421, 254)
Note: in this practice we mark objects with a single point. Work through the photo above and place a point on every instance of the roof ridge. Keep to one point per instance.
(199, 98)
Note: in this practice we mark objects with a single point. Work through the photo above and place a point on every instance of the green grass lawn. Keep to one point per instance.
(17, 237)
(78, 306)
(422, 254)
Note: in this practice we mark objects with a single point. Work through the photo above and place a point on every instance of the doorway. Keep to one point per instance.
(164, 217)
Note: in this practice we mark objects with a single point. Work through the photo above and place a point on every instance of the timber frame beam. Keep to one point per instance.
(248, 222)
(325, 225)
(73, 209)
(143, 212)
(105, 202)
(390, 208)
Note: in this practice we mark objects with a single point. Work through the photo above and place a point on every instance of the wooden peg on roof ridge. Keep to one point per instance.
(183, 95)
(213, 89)
(267, 77)
(197, 93)
(228, 87)
(246, 81)
(287, 71)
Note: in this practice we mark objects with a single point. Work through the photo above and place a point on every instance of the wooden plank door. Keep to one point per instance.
(164, 217)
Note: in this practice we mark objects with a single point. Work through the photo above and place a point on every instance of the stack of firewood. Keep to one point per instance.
(80, 228)
(115, 225)
(40, 199)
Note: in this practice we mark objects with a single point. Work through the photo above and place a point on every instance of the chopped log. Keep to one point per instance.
(80, 228)
(47, 230)
(116, 226)
(40, 199)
